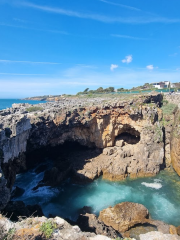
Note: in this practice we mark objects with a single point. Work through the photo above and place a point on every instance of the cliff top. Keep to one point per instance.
(11, 116)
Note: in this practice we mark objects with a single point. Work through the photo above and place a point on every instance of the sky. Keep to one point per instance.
(52, 47)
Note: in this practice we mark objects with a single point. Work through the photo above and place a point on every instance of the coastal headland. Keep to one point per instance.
(113, 137)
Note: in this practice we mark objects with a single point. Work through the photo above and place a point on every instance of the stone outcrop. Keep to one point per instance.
(173, 98)
(128, 128)
(124, 215)
(132, 220)
(168, 120)
(124, 138)
(30, 228)
(175, 142)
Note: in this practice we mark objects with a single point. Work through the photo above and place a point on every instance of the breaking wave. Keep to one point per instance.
(158, 194)
(154, 185)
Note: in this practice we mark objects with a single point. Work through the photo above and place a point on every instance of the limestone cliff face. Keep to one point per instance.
(128, 131)
(13, 138)
(175, 142)
(172, 99)
(92, 126)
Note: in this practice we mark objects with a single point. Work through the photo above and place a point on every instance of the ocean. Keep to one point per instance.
(160, 194)
(7, 103)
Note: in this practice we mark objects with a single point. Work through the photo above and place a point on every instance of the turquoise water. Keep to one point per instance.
(7, 103)
(160, 194)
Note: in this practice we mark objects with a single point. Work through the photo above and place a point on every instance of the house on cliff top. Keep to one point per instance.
(161, 85)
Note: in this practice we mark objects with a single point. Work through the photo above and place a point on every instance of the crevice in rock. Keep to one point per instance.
(164, 148)
(12, 168)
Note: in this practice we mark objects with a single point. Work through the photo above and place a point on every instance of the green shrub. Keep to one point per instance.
(34, 108)
(168, 108)
(47, 228)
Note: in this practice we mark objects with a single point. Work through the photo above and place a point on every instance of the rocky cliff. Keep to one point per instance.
(126, 132)
(175, 142)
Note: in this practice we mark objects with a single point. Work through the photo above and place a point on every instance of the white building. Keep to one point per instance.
(161, 85)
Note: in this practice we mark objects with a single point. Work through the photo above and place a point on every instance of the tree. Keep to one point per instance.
(111, 89)
(86, 90)
(100, 89)
(92, 91)
(120, 89)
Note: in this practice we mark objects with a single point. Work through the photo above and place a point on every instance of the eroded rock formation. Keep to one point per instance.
(175, 142)
(133, 220)
(128, 130)
(30, 228)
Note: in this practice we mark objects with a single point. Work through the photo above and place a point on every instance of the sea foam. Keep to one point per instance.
(155, 185)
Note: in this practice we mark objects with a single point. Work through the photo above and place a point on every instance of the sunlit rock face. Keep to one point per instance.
(124, 215)
(175, 142)
(127, 130)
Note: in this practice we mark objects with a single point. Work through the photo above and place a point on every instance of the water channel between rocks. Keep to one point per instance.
(160, 194)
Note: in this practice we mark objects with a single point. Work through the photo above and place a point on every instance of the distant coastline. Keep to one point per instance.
(7, 103)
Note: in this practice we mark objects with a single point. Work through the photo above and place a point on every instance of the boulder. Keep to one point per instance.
(119, 143)
(124, 215)
(178, 230)
(158, 236)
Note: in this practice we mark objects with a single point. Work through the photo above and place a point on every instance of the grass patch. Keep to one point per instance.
(47, 228)
(34, 109)
(168, 108)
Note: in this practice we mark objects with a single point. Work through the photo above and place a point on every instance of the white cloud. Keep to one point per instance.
(121, 5)
(150, 67)
(75, 81)
(35, 29)
(113, 66)
(127, 59)
(128, 37)
(27, 62)
(102, 18)
(21, 74)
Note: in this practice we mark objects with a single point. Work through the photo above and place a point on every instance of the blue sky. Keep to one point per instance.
(64, 46)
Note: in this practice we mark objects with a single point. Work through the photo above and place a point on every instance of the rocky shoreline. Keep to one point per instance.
(116, 138)
(124, 221)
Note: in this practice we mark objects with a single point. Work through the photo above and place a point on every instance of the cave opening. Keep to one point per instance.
(59, 153)
(58, 163)
(128, 135)
(128, 138)
(46, 170)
